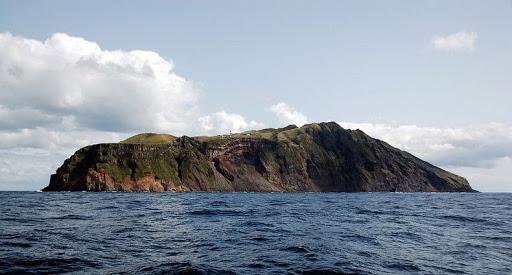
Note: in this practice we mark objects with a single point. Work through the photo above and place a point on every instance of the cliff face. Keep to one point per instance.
(315, 157)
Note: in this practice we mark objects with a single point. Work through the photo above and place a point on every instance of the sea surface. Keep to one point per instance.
(256, 233)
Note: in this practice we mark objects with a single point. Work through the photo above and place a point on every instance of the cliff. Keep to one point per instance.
(315, 157)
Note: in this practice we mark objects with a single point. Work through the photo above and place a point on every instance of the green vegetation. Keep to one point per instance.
(160, 168)
(117, 172)
(165, 170)
(287, 133)
(142, 167)
(150, 138)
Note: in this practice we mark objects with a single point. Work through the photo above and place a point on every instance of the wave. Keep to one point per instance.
(177, 268)
(72, 217)
(215, 212)
(296, 249)
(44, 265)
(410, 267)
(17, 244)
(464, 219)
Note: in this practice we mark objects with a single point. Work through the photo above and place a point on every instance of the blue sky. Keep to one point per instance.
(373, 65)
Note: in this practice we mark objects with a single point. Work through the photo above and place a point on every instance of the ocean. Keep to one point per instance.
(256, 233)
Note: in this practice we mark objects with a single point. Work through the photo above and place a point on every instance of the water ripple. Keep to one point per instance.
(255, 233)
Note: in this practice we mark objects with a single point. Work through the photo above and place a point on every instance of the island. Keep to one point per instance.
(317, 157)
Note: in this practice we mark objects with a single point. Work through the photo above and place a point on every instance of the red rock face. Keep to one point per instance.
(101, 181)
(316, 157)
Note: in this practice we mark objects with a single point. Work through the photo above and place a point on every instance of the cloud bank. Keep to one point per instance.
(223, 122)
(475, 146)
(288, 115)
(70, 78)
(461, 41)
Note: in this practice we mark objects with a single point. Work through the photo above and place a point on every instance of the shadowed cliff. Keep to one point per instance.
(315, 157)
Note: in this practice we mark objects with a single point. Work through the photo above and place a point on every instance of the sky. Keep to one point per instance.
(429, 77)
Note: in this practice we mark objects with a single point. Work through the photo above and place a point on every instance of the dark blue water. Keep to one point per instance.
(247, 233)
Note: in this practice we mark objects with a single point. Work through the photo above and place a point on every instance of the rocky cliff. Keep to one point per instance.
(315, 157)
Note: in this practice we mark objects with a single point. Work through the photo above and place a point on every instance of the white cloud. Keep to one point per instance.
(223, 122)
(476, 146)
(489, 179)
(288, 115)
(41, 82)
(456, 42)
(29, 156)
(27, 172)
(56, 140)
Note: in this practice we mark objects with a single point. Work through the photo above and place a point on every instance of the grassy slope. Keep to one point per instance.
(279, 134)
(149, 138)
(292, 142)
